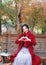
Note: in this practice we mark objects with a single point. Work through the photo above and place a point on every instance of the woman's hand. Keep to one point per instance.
(27, 39)
(24, 39)
(21, 38)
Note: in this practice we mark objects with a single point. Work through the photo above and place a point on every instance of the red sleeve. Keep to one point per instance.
(33, 40)
(12, 57)
(17, 41)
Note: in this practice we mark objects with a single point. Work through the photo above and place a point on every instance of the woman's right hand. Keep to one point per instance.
(21, 38)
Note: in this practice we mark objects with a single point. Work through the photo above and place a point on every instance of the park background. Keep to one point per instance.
(15, 13)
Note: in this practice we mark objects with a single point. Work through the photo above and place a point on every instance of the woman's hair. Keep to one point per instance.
(25, 26)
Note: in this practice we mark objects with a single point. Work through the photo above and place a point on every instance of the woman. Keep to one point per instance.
(25, 53)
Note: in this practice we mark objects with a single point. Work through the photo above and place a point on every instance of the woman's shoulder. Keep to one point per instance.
(31, 34)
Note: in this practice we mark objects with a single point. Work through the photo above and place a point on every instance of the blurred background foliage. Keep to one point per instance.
(14, 13)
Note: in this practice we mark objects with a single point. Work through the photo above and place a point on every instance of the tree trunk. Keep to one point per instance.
(18, 9)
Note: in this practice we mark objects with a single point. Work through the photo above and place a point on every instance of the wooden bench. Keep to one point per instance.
(39, 49)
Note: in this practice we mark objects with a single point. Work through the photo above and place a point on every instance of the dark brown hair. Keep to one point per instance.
(25, 26)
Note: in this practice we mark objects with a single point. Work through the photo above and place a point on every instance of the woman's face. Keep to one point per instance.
(25, 29)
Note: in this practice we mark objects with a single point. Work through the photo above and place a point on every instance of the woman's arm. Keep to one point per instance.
(12, 57)
(17, 40)
(33, 40)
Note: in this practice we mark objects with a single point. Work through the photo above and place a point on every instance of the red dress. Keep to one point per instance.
(29, 44)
